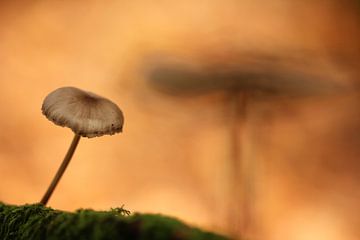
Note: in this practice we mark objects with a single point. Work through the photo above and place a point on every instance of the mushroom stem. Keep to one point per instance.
(239, 211)
(61, 169)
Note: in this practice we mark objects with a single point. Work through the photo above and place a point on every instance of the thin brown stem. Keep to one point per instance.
(239, 208)
(61, 169)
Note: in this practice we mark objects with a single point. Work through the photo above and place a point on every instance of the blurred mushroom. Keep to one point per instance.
(253, 77)
(86, 114)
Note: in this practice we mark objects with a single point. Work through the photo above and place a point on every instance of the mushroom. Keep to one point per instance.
(251, 77)
(86, 114)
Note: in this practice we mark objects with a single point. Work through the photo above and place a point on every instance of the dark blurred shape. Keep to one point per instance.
(253, 76)
(262, 77)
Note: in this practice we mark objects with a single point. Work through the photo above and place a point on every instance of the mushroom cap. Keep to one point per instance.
(265, 77)
(85, 113)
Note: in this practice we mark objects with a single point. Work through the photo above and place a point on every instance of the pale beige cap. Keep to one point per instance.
(87, 114)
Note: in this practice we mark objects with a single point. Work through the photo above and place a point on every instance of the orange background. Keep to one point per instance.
(174, 154)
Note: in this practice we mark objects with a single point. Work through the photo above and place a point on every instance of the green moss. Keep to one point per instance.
(39, 222)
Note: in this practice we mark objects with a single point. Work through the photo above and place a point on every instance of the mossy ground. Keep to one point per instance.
(38, 222)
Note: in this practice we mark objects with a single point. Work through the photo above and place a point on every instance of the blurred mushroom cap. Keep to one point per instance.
(263, 76)
(85, 113)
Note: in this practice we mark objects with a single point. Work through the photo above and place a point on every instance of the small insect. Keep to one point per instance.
(121, 211)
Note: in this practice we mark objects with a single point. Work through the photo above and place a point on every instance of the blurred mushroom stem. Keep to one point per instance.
(61, 169)
(240, 166)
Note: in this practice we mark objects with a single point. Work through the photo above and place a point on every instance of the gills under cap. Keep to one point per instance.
(85, 113)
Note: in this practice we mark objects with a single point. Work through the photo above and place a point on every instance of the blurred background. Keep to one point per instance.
(241, 116)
